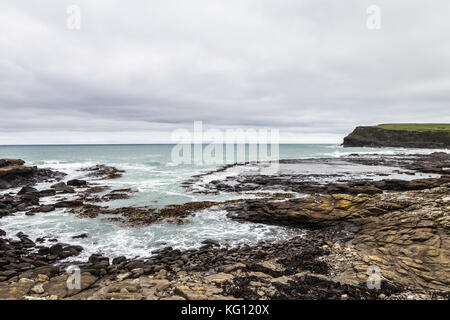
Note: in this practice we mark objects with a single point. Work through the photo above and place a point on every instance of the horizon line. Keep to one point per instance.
(145, 144)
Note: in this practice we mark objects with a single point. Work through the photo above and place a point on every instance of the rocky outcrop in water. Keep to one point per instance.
(437, 163)
(102, 171)
(14, 173)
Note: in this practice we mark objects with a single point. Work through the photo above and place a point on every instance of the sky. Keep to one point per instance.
(136, 71)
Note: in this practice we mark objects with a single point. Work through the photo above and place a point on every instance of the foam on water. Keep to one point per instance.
(113, 240)
(158, 183)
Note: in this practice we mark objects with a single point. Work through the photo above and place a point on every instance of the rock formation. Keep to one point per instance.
(399, 136)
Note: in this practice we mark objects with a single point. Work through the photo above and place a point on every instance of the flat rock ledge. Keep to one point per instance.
(14, 173)
(404, 234)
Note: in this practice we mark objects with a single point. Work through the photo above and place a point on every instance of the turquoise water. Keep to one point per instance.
(148, 167)
(151, 172)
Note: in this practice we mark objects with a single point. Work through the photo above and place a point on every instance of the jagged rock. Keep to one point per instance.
(98, 258)
(11, 162)
(102, 171)
(77, 183)
(80, 236)
(13, 173)
(68, 203)
(211, 242)
(63, 188)
(25, 190)
(47, 193)
(47, 208)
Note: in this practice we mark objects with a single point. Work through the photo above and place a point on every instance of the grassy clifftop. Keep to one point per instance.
(416, 126)
(408, 135)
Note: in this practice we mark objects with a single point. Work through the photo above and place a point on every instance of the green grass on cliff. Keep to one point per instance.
(416, 126)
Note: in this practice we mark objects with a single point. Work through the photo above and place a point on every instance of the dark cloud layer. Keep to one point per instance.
(138, 70)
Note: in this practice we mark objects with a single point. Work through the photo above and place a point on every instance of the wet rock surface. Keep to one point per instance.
(139, 216)
(23, 256)
(400, 227)
(102, 171)
(309, 267)
(344, 180)
(14, 173)
(405, 234)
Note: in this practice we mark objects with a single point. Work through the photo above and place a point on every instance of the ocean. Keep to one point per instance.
(149, 170)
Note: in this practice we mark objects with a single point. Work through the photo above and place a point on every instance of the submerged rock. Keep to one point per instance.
(102, 171)
(77, 183)
(62, 188)
(80, 236)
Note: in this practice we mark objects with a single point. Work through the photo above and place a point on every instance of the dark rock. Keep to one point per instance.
(46, 208)
(119, 260)
(68, 203)
(98, 258)
(11, 162)
(102, 171)
(30, 198)
(27, 190)
(80, 236)
(58, 186)
(210, 242)
(43, 250)
(63, 188)
(56, 249)
(47, 193)
(13, 173)
(76, 183)
(46, 270)
(134, 265)
(22, 207)
(73, 250)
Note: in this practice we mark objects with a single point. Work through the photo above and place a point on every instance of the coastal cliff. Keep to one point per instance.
(400, 135)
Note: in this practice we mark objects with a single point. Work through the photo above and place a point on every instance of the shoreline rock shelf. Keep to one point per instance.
(400, 226)
(14, 173)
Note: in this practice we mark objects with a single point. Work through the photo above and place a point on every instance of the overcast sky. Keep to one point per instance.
(137, 70)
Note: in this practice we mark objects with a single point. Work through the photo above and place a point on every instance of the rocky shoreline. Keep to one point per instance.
(350, 225)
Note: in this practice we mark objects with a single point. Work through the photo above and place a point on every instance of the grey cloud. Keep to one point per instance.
(306, 67)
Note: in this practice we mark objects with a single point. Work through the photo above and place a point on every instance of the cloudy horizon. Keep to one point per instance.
(135, 73)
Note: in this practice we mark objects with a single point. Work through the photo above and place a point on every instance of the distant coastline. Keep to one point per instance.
(407, 135)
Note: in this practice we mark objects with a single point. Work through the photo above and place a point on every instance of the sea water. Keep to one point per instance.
(149, 171)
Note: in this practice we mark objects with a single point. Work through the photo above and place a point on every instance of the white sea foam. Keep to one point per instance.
(158, 184)
(113, 240)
